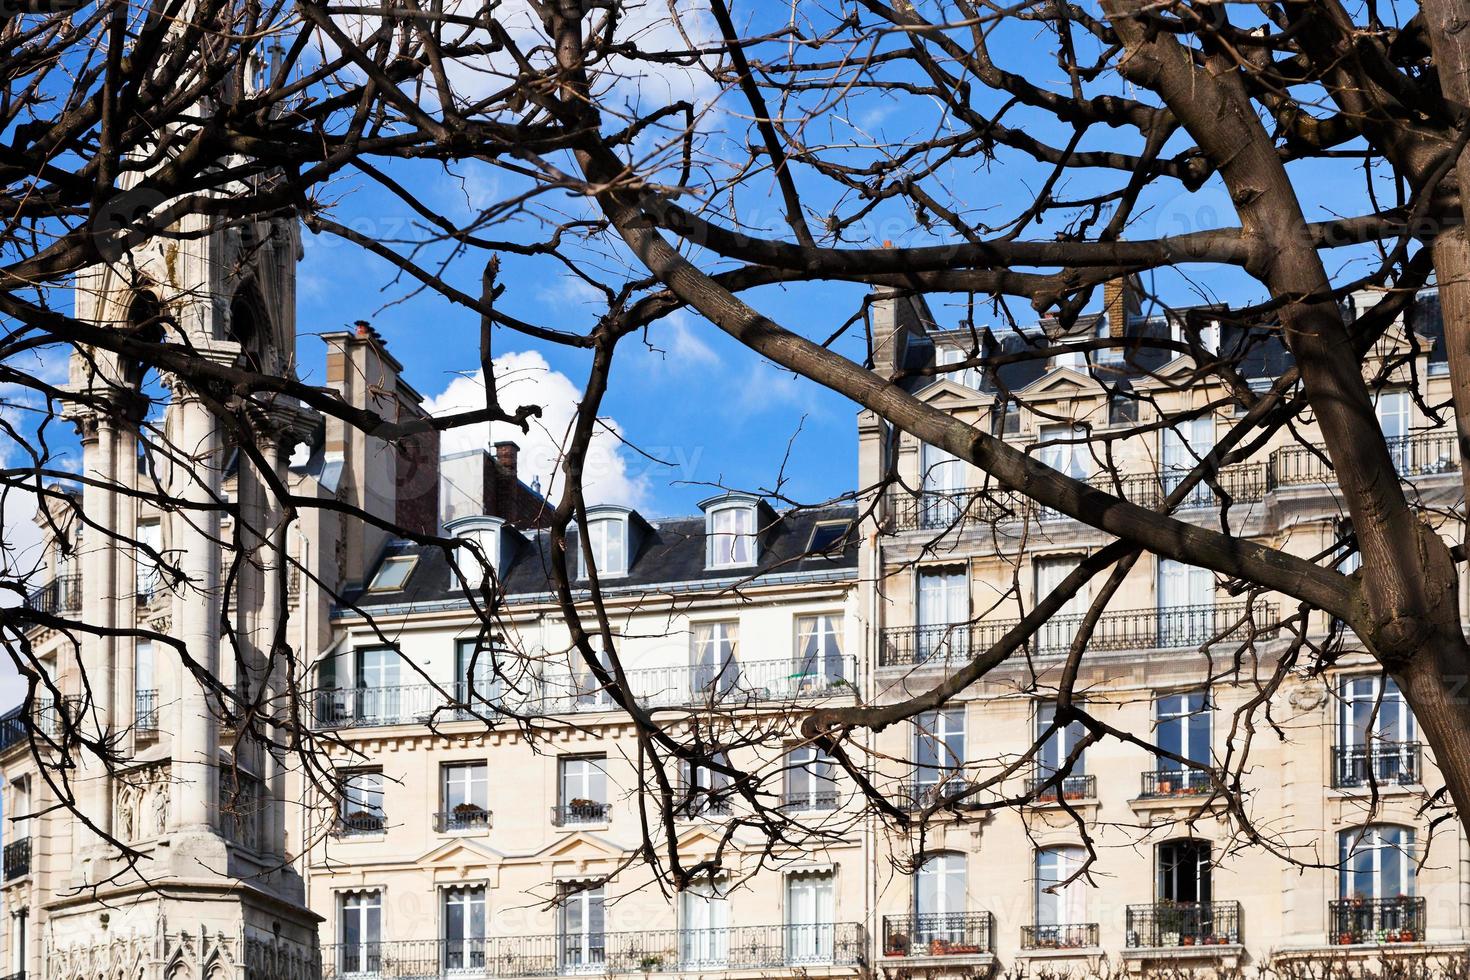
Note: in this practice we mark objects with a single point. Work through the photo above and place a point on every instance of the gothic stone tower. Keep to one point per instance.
(213, 894)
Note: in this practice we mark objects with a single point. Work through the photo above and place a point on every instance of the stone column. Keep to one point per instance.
(99, 607)
(196, 742)
(273, 568)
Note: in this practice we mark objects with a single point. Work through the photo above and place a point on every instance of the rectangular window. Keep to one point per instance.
(1392, 408)
(1065, 448)
(706, 789)
(732, 537)
(583, 789)
(1182, 726)
(1375, 734)
(145, 689)
(359, 932)
(17, 829)
(464, 928)
(378, 695)
(811, 779)
(1186, 604)
(464, 796)
(1058, 632)
(809, 929)
(1185, 870)
(607, 542)
(476, 683)
(943, 486)
(819, 665)
(939, 754)
(944, 608)
(1060, 744)
(715, 647)
(591, 693)
(360, 810)
(150, 537)
(583, 929)
(1185, 444)
(704, 931)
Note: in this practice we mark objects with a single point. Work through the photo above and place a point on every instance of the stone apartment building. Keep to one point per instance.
(481, 808)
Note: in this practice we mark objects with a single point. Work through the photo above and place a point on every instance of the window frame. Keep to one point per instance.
(713, 534)
(599, 543)
(407, 562)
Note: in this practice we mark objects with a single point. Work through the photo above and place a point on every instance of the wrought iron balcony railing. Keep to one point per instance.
(15, 727)
(810, 801)
(1351, 921)
(1377, 763)
(1166, 627)
(145, 714)
(1420, 454)
(737, 683)
(1073, 935)
(939, 934)
(1074, 787)
(361, 823)
(937, 510)
(1163, 783)
(579, 812)
(927, 792)
(60, 595)
(17, 858)
(1169, 924)
(735, 948)
(461, 818)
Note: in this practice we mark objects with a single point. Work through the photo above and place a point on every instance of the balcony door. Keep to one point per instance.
(1184, 872)
(464, 796)
(943, 483)
(1068, 449)
(939, 753)
(378, 691)
(1186, 607)
(939, 899)
(583, 930)
(716, 671)
(809, 927)
(1376, 862)
(1182, 727)
(1058, 746)
(1059, 902)
(475, 682)
(818, 653)
(944, 609)
(1375, 733)
(591, 693)
(1058, 632)
(1392, 409)
(811, 779)
(583, 789)
(145, 688)
(704, 938)
(1184, 445)
(464, 929)
(359, 933)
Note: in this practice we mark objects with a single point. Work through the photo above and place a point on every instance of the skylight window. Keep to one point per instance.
(828, 536)
(393, 573)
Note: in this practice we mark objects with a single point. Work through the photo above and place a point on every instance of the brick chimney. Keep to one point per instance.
(507, 454)
(1120, 301)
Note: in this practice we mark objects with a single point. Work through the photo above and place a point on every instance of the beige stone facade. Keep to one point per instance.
(482, 808)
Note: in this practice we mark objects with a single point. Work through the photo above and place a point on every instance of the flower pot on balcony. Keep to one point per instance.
(938, 947)
(1406, 935)
(897, 945)
(1344, 939)
(1169, 939)
(1189, 940)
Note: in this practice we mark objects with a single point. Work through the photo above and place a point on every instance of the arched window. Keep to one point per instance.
(939, 898)
(1060, 902)
(1376, 861)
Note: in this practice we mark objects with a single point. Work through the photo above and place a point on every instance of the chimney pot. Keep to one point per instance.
(364, 328)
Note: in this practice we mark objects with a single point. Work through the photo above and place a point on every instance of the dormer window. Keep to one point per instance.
(732, 524)
(614, 536)
(607, 543)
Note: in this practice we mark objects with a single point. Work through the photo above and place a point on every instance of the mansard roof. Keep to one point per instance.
(671, 558)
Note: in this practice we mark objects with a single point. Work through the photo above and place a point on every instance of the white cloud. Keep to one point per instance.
(525, 378)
